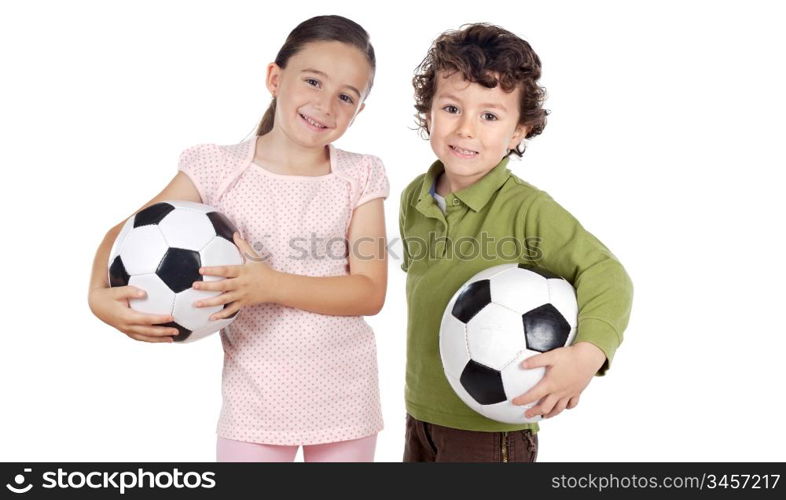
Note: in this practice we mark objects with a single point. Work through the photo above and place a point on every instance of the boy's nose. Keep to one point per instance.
(466, 127)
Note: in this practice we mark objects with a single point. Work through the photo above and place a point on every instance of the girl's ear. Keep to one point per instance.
(362, 105)
(273, 78)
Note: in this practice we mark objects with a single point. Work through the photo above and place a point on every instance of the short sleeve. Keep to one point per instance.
(375, 184)
(204, 166)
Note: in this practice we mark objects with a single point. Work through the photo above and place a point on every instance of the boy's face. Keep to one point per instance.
(471, 127)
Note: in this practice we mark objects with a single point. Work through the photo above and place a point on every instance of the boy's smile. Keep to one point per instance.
(471, 128)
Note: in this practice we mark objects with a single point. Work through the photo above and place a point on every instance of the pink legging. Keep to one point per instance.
(354, 450)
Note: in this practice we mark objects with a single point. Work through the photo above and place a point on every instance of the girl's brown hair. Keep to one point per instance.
(320, 29)
(490, 56)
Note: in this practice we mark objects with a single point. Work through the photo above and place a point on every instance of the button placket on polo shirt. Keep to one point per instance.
(432, 211)
(455, 210)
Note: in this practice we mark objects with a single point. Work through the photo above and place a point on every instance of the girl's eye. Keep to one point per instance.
(489, 116)
(347, 99)
(451, 109)
(312, 81)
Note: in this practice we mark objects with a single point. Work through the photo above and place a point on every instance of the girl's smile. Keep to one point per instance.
(313, 124)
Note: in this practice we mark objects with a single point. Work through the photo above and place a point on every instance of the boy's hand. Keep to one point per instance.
(250, 283)
(568, 372)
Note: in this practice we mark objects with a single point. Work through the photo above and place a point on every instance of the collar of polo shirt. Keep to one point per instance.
(475, 196)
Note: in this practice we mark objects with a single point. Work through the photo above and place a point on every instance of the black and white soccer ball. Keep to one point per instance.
(497, 319)
(160, 250)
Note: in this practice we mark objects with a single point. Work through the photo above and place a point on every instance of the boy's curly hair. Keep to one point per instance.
(488, 55)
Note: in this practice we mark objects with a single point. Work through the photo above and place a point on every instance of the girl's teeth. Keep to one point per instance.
(312, 122)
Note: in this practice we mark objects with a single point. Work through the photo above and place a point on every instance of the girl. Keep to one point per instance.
(299, 360)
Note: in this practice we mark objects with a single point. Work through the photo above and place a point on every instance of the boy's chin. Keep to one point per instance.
(456, 169)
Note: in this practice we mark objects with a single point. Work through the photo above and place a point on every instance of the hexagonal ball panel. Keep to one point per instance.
(539, 270)
(213, 327)
(121, 237)
(453, 345)
(562, 296)
(220, 252)
(495, 336)
(187, 229)
(519, 290)
(190, 316)
(142, 250)
(159, 299)
(196, 207)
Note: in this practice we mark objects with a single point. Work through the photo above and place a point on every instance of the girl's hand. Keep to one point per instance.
(568, 372)
(111, 307)
(253, 282)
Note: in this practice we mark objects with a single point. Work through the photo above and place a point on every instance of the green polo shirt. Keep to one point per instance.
(499, 219)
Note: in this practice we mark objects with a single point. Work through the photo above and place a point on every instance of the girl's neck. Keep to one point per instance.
(275, 152)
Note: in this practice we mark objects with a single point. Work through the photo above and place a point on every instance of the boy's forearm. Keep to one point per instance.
(604, 290)
(352, 295)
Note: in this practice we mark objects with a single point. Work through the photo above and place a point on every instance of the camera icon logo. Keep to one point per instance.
(19, 480)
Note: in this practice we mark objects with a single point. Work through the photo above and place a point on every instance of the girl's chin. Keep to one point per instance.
(310, 140)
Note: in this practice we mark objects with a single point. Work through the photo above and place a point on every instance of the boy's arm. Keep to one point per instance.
(558, 242)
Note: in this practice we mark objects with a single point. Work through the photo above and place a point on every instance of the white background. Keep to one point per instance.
(665, 141)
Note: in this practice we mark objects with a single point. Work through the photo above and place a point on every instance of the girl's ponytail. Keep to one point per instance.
(266, 125)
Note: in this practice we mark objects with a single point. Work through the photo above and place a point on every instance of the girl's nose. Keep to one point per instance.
(325, 104)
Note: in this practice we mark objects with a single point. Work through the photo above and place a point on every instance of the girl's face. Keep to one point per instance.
(319, 93)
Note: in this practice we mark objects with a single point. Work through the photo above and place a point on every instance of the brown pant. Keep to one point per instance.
(427, 442)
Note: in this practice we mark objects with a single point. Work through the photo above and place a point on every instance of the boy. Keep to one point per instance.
(477, 98)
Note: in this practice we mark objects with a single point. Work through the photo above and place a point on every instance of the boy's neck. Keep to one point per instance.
(277, 153)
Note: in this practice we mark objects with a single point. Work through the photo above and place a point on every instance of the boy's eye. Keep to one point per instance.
(489, 116)
(312, 81)
(347, 99)
(451, 109)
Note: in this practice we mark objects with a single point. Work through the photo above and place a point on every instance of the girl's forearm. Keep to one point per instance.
(352, 295)
(98, 277)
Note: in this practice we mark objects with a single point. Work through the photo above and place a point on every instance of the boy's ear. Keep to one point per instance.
(273, 78)
(518, 135)
(428, 122)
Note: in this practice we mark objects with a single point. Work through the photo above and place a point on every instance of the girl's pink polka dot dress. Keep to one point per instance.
(291, 376)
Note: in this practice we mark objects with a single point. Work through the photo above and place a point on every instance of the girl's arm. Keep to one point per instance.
(110, 305)
(361, 293)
